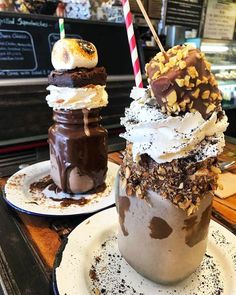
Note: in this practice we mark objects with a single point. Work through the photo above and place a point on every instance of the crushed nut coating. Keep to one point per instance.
(183, 181)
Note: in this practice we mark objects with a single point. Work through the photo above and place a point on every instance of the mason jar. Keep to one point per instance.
(78, 150)
(158, 239)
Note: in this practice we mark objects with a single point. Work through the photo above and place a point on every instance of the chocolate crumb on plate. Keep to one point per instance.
(120, 278)
(32, 191)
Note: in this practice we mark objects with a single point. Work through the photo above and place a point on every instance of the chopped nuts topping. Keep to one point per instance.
(171, 98)
(156, 75)
(179, 55)
(214, 95)
(183, 76)
(215, 169)
(198, 82)
(192, 72)
(180, 82)
(210, 108)
(173, 60)
(183, 104)
(191, 105)
(182, 64)
(159, 55)
(165, 69)
(154, 64)
(161, 66)
(162, 58)
(167, 179)
(191, 85)
(195, 94)
(212, 81)
(186, 80)
(204, 80)
(205, 94)
(208, 65)
(175, 108)
(193, 110)
(161, 170)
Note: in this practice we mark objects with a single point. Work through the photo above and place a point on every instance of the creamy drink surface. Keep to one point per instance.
(174, 132)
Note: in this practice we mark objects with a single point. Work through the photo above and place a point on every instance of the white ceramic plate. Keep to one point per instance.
(27, 191)
(90, 263)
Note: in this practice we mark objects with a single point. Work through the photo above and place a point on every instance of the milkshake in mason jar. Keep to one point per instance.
(77, 141)
(174, 132)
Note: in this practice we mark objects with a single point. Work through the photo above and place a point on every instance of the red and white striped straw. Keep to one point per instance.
(132, 43)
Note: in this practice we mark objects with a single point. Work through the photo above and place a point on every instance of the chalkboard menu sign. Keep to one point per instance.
(185, 13)
(26, 42)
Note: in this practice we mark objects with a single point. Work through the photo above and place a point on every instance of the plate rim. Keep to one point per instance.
(213, 223)
(64, 214)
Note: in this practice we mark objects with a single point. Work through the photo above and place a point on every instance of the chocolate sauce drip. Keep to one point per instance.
(124, 204)
(72, 151)
(86, 129)
(197, 231)
(54, 188)
(160, 229)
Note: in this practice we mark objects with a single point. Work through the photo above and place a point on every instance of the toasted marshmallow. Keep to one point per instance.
(68, 54)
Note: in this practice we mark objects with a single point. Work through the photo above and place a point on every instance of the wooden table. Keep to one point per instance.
(29, 244)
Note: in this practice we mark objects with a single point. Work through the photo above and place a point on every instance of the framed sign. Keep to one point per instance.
(220, 19)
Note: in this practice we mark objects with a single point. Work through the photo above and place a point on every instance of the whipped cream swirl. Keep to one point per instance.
(77, 98)
(165, 138)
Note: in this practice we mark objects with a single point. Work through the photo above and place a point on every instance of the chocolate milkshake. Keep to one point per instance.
(174, 132)
(77, 141)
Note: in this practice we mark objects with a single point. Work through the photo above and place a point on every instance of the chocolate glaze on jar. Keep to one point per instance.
(78, 150)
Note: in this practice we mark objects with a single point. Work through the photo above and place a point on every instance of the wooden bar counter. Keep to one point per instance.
(29, 244)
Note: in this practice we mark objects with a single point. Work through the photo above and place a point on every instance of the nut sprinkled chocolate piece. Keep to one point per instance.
(184, 83)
